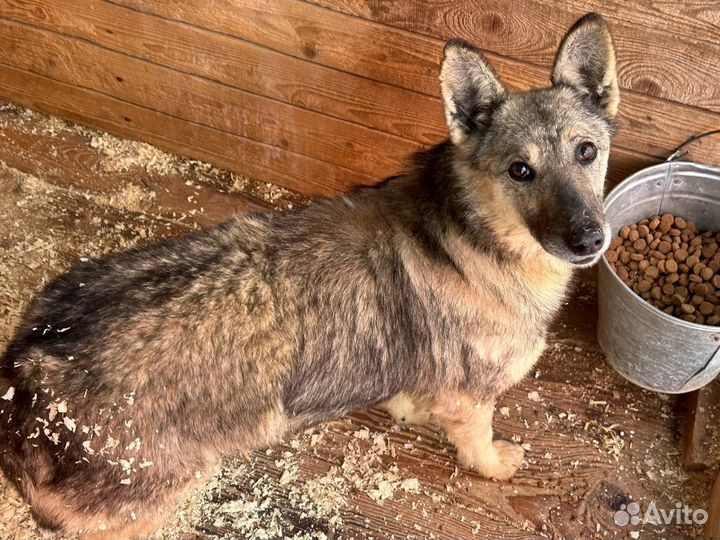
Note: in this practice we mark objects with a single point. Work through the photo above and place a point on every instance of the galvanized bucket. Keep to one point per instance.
(647, 346)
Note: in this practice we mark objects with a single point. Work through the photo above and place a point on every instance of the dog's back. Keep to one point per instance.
(121, 366)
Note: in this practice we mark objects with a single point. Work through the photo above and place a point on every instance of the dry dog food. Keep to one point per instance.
(666, 261)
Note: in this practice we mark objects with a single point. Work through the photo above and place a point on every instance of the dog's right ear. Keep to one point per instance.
(470, 90)
(586, 62)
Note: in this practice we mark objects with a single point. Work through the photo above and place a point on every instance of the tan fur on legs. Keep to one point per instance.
(407, 409)
(469, 426)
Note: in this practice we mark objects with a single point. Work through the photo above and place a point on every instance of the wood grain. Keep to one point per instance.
(647, 124)
(330, 38)
(650, 60)
(201, 101)
(247, 157)
(695, 19)
(256, 160)
(70, 161)
(712, 527)
(240, 64)
(702, 411)
(198, 100)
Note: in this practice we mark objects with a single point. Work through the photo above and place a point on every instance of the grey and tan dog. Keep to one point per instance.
(431, 292)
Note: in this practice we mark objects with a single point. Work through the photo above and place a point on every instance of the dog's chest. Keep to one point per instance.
(504, 348)
(503, 329)
(488, 320)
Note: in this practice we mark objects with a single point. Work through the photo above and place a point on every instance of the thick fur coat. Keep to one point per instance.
(431, 293)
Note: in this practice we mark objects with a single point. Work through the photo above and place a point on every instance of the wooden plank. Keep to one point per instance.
(83, 64)
(125, 119)
(66, 158)
(647, 124)
(696, 19)
(326, 37)
(675, 67)
(700, 442)
(712, 527)
(256, 160)
(221, 58)
(201, 101)
(410, 63)
(623, 162)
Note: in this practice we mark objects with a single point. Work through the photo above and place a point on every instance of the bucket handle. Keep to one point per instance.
(702, 373)
(680, 151)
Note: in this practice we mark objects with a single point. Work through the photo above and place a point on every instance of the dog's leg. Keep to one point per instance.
(407, 409)
(468, 424)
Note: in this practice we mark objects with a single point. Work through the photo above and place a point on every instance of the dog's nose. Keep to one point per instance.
(586, 240)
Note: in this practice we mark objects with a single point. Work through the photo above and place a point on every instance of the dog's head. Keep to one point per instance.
(536, 161)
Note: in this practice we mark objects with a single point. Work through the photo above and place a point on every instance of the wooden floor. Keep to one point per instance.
(594, 442)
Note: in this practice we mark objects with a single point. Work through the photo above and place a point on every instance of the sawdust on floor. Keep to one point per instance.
(45, 227)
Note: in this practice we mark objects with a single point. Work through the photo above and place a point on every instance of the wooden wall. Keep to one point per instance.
(318, 95)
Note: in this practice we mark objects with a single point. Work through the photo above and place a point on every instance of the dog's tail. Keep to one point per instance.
(24, 456)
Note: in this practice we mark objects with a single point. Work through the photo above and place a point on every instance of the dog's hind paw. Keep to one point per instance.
(407, 410)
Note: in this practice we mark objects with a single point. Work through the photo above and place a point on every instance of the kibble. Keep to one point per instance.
(666, 221)
(706, 308)
(666, 261)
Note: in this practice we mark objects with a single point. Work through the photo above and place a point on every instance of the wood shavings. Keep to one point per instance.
(534, 396)
(52, 411)
(69, 424)
(410, 484)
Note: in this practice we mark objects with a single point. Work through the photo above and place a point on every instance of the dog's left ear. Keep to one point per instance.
(586, 61)
(470, 89)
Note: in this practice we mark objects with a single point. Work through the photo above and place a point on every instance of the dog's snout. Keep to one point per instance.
(586, 240)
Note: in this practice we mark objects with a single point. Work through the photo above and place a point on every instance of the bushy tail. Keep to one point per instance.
(24, 461)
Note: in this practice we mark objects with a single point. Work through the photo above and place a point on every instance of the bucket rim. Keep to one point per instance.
(658, 167)
(614, 194)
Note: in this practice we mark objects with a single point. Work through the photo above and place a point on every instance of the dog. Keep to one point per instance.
(429, 294)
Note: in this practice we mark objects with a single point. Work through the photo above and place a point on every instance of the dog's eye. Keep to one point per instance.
(520, 171)
(586, 152)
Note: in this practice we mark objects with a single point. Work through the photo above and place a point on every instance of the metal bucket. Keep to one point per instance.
(647, 346)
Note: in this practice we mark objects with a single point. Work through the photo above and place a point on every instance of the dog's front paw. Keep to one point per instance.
(499, 462)
(510, 457)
